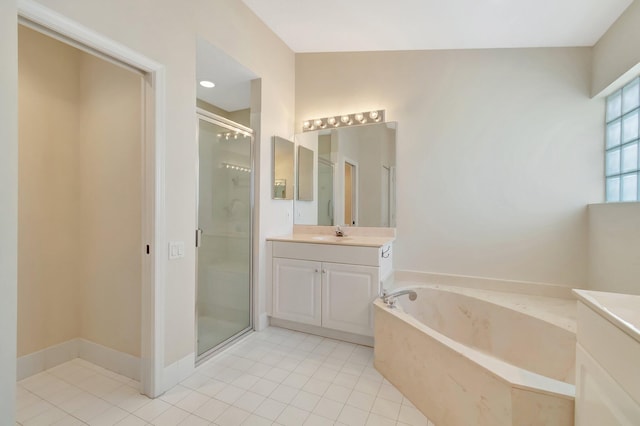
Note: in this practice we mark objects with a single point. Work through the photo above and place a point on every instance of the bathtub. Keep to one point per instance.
(466, 356)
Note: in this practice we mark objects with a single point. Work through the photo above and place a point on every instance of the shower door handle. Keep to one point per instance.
(198, 237)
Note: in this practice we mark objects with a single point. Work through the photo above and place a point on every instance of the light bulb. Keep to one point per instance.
(359, 117)
(373, 115)
(318, 122)
(344, 119)
(306, 125)
(332, 121)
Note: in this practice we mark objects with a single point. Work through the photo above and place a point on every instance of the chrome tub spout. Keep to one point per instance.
(389, 297)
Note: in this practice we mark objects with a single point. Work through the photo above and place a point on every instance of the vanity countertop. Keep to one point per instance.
(354, 236)
(622, 310)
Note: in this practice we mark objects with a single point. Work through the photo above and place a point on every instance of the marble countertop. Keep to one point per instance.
(354, 236)
(623, 310)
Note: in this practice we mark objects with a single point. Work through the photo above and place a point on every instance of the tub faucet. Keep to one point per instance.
(389, 297)
(339, 232)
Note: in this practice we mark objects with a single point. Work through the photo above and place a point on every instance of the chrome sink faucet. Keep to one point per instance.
(339, 232)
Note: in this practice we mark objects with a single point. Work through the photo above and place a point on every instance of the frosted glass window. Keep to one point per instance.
(613, 133)
(630, 187)
(630, 127)
(622, 143)
(613, 162)
(631, 96)
(614, 107)
(630, 158)
(613, 189)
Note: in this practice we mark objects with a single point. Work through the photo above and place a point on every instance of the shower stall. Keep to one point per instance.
(224, 234)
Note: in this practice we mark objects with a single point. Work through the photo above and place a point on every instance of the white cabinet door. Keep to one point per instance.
(347, 294)
(296, 290)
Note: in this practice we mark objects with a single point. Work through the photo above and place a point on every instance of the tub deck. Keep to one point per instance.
(559, 312)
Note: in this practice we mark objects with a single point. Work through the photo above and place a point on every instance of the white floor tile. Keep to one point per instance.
(192, 402)
(284, 393)
(328, 408)
(338, 393)
(152, 410)
(110, 417)
(194, 420)
(270, 409)
(305, 400)
(316, 420)
(378, 420)
(172, 417)
(232, 416)
(292, 416)
(386, 408)
(254, 420)
(353, 416)
(211, 410)
(277, 376)
(412, 416)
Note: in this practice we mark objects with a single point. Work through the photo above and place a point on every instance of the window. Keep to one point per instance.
(622, 129)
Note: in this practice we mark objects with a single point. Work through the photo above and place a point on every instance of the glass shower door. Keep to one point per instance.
(224, 233)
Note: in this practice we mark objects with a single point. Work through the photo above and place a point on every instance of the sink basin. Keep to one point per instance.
(331, 238)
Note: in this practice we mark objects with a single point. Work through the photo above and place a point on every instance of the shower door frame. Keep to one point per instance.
(202, 114)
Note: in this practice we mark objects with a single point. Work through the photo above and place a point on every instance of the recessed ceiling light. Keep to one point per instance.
(207, 84)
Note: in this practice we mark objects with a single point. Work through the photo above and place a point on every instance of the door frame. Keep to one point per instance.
(355, 170)
(209, 117)
(154, 259)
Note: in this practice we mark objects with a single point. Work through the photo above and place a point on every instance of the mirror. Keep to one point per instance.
(305, 174)
(354, 172)
(283, 151)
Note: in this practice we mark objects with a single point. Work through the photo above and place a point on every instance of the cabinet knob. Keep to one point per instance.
(317, 270)
(324, 271)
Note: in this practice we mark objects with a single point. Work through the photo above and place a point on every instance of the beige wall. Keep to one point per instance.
(166, 32)
(617, 51)
(110, 214)
(614, 244)
(8, 206)
(498, 153)
(48, 233)
(79, 198)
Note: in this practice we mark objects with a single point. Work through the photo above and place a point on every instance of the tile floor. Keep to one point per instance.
(274, 377)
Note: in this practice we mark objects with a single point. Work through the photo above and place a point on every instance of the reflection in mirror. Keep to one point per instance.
(305, 174)
(283, 152)
(355, 176)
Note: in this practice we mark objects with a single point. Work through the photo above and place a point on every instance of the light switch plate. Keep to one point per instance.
(176, 249)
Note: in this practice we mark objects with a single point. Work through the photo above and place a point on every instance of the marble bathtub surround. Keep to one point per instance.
(510, 330)
(460, 385)
(623, 310)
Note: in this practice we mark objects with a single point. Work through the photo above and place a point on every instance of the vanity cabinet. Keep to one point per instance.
(327, 285)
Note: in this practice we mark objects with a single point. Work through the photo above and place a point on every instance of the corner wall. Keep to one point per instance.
(495, 153)
(617, 52)
(8, 207)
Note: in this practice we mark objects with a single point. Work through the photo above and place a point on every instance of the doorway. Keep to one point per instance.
(350, 193)
(224, 235)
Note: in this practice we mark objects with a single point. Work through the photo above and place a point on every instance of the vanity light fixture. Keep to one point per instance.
(208, 84)
(235, 167)
(375, 116)
(233, 135)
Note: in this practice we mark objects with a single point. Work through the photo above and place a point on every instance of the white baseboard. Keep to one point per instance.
(37, 362)
(116, 361)
(262, 323)
(324, 332)
(178, 371)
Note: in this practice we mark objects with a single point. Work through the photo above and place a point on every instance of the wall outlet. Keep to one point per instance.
(176, 249)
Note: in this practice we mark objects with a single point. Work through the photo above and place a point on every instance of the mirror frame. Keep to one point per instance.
(289, 177)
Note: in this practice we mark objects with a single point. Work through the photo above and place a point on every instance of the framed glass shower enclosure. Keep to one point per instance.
(224, 291)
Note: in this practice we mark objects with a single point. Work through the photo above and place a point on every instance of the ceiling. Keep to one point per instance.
(233, 81)
(358, 25)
